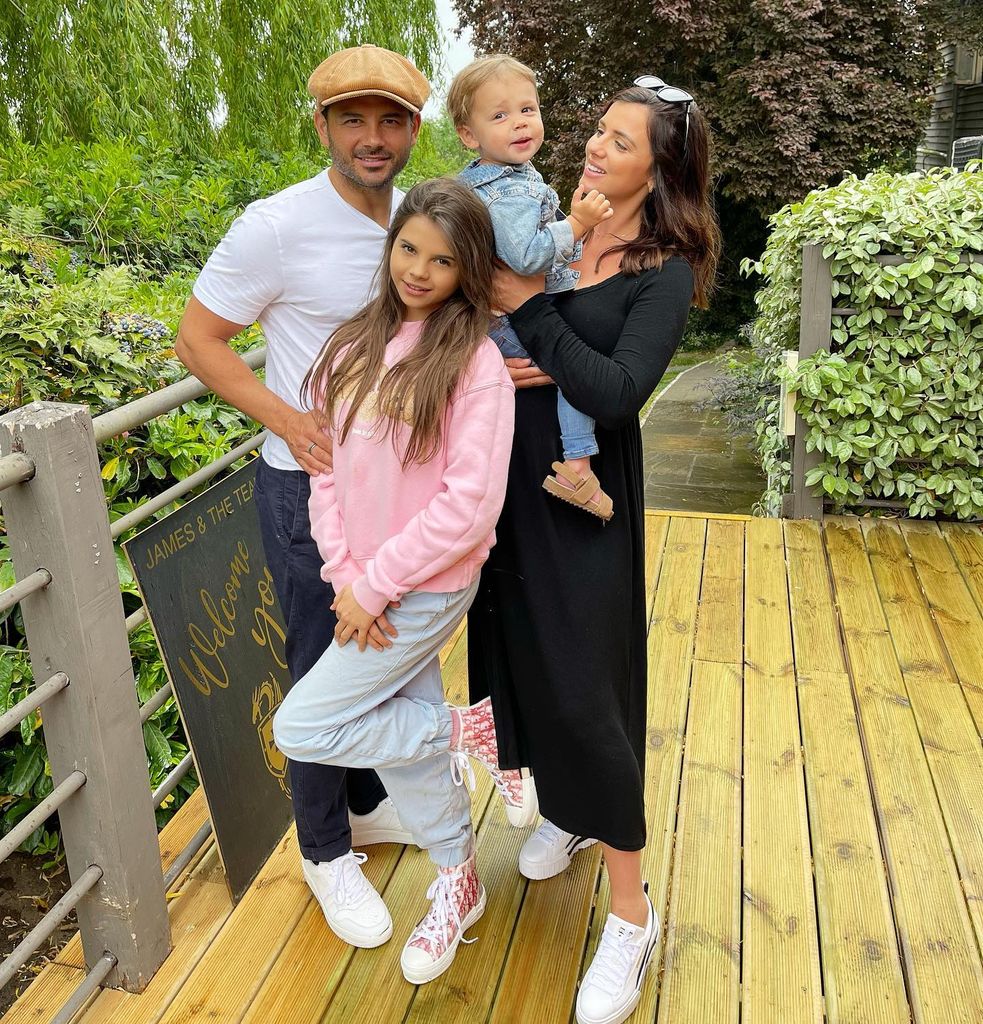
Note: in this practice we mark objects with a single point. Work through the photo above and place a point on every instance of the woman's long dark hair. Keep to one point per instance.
(418, 389)
(678, 218)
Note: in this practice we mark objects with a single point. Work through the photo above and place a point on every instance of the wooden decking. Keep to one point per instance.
(815, 804)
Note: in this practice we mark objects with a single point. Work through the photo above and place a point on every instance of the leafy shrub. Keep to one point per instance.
(141, 203)
(99, 335)
(99, 246)
(895, 405)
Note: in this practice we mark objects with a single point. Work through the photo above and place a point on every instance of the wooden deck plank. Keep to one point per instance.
(539, 982)
(956, 614)
(656, 535)
(290, 992)
(707, 517)
(174, 837)
(949, 734)
(910, 628)
(46, 995)
(780, 971)
(196, 915)
(720, 626)
(702, 974)
(862, 975)
(656, 531)
(966, 544)
(672, 635)
(942, 966)
(466, 992)
(818, 644)
(250, 939)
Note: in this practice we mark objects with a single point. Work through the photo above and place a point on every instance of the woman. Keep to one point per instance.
(557, 633)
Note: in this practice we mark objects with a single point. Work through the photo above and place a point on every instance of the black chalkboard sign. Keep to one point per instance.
(213, 608)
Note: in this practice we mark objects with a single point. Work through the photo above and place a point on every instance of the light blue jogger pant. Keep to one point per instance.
(385, 710)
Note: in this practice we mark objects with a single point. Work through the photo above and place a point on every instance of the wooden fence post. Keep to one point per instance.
(58, 521)
(815, 324)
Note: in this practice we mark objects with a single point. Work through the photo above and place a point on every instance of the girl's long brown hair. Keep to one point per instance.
(418, 389)
(678, 218)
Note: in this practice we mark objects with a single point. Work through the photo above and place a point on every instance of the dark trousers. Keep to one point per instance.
(322, 794)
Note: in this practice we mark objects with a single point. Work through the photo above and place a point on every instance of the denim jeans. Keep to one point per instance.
(321, 794)
(385, 710)
(576, 427)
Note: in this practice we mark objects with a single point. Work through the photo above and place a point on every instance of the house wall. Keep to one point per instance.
(957, 112)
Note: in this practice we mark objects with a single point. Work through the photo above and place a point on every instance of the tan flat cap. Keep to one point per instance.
(368, 70)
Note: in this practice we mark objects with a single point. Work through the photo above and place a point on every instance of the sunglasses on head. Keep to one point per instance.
(668, 94)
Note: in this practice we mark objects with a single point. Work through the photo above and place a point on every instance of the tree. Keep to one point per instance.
(198, 73)
(797, 91)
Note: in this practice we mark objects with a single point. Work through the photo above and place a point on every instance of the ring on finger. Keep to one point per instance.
(311, 447)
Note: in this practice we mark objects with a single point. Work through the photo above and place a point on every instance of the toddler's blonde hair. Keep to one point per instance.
(470, 79)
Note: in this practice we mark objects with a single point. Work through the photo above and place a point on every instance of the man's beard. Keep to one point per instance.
(350, 171)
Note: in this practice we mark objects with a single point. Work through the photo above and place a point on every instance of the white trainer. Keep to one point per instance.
(379, 826)
(353, 909)
(549, 850)
(612, 985)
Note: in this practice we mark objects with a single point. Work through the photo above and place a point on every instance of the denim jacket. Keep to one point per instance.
(528, 237)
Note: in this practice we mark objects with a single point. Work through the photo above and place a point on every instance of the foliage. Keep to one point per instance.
(796, 91)
(70, 331)
(198, 75)
(895, 406)
(141, 202)
(99, 245)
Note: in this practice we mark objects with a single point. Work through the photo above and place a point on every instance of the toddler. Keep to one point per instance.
(494, 105)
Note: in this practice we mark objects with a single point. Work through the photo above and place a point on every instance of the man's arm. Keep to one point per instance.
(203, 346)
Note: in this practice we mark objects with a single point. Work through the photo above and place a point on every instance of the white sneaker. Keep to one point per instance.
(353, 909)
(612, 985)
(379, 826)
(548, 851)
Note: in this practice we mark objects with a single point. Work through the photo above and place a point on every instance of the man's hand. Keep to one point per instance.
(587, 211)
(308, 443)
(526, 374)
(354, 620)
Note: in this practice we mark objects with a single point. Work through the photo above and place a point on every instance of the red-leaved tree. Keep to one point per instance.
(796, 91)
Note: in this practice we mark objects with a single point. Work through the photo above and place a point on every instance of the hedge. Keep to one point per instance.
(894, 408)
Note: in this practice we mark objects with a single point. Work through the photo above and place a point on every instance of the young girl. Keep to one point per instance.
(420, 409)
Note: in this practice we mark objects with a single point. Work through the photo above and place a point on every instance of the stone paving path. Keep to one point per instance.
(691, 462)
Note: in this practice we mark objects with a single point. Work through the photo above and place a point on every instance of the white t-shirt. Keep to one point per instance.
(300, 262)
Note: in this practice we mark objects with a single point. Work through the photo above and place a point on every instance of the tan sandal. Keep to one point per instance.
(581, 491)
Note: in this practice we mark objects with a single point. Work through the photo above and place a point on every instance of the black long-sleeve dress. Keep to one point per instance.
(557, 630)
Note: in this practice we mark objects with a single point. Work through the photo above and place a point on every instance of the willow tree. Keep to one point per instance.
(196, 73)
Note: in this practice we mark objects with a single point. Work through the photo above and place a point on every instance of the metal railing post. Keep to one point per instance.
(76, 625)
(815, 325)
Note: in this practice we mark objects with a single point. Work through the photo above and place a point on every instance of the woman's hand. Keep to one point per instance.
(511, 290)
(354, 620)
(526, 374)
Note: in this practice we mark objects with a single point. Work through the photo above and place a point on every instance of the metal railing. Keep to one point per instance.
(61, 543)
(815, 334)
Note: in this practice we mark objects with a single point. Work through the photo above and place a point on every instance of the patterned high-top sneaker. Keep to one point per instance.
(458, 901)
(476, 737)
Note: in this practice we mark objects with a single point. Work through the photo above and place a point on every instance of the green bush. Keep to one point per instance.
(98, 335)
(895, 406)
(99, 247)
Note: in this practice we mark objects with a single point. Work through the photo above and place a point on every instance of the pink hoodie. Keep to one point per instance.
(429, 527)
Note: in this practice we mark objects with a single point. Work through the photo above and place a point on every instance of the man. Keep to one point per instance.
(300, 262)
